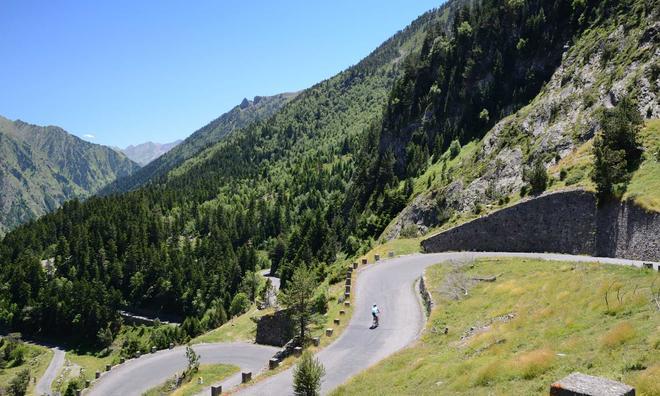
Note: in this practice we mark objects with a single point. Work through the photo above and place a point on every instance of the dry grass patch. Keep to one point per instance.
(561, 325)
(530, 364)
(618, 335)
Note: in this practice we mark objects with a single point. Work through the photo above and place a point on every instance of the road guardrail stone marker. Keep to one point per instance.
(246, 377)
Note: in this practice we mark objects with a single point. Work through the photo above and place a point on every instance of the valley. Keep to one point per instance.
(506, 151)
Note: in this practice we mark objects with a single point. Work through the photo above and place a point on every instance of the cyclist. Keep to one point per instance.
(375, 312)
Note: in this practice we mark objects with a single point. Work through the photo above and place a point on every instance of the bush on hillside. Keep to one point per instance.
(307, 376)
(616, 147)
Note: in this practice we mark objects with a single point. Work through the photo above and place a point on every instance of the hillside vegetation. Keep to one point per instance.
(540, 321)
(613, 58)
(189, 244)
(42, 167)
(317, 182)
(242, 115)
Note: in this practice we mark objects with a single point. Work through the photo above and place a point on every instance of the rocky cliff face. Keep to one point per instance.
(596, 71)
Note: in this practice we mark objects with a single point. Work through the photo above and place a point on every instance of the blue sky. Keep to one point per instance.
(127, 72)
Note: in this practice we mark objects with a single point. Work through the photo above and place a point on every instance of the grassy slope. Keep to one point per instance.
(644, 186)
(37, 359)
(210, 373)
(562, 325)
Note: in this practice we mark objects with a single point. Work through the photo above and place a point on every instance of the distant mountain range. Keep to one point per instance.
(146, 152)
(242, 115)
(41, 167)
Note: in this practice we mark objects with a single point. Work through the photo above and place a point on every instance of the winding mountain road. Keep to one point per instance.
(136, 376)
(388, 283)
(54, 367)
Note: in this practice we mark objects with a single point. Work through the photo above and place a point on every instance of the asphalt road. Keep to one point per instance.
(46, 380)
(388, 284)
(136, 376)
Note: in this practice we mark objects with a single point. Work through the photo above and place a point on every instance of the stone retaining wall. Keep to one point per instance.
(426, 295)
(561, 222)
(274, 329)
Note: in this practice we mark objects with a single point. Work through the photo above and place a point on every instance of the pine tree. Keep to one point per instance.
(307, 376)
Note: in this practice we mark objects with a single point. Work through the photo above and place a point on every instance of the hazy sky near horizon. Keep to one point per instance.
(125, 72)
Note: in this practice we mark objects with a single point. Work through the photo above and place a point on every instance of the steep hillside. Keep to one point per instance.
(323, 177)
(615, 56)
(146, 152)
(42, 167)
(189, 243)
(242, 115)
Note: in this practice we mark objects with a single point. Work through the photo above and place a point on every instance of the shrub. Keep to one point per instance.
(19, 384)
(320, 303)
(410, 231)
(618, 335)
(537, 177)
(616, 147)
(307, 376)
(239, 304)
(454, 148)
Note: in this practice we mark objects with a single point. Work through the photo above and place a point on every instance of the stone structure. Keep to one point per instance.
(246, 377)
(561, 222)
(427, 299)
(216, 390)
(274, 329)
(578, 384)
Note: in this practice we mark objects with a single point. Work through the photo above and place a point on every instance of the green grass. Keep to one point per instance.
(36, 359)
(561, 325)
(397, 246)
(644, 187)
(210, 373)
(240, 328)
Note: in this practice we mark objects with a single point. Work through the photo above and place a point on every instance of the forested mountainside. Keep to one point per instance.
(315, 182)
(144, 153)
(41, 167)
(187, 244)
(242, 115)
(614, 63)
